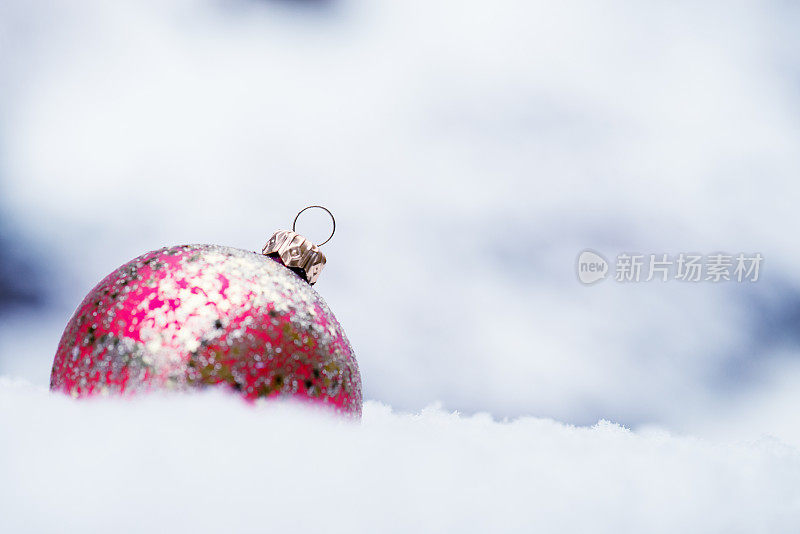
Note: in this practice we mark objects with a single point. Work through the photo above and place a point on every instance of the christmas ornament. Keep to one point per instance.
(191, 316)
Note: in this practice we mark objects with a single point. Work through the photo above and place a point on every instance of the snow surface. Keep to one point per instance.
(517, 133)
(210, 463)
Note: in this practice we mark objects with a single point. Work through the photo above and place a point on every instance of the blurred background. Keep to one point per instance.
(469, 150)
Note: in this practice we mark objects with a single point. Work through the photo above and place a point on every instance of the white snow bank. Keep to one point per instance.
(209, 462)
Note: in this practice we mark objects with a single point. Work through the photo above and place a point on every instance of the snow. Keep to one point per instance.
(210, 463)
(470, 150)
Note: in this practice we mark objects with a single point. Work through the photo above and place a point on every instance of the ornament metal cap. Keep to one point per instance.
(297, 252)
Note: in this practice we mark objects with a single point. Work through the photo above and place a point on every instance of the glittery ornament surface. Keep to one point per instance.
(196, 315)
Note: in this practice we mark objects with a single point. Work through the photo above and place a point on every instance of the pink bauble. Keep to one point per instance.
(195, 315)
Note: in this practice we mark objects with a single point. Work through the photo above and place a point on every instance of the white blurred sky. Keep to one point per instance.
(469, 151)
